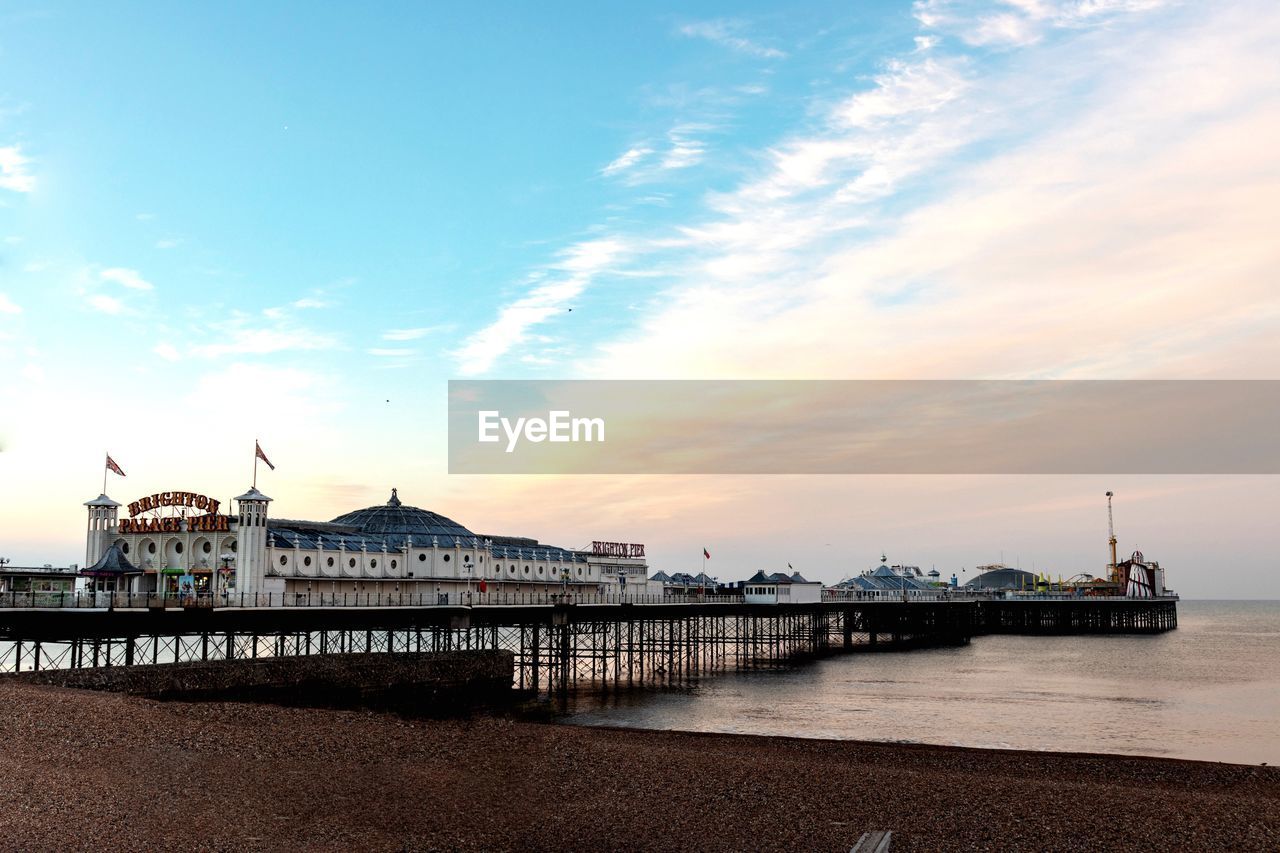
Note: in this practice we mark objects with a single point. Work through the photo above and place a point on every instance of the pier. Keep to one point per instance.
(558, 644)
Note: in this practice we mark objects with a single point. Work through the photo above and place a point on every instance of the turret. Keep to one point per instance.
(251, 536)
(103, 523)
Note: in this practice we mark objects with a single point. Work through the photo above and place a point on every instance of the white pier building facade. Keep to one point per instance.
(181, 543)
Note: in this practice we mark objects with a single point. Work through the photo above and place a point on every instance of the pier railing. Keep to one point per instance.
(152, 601)
(30, 600)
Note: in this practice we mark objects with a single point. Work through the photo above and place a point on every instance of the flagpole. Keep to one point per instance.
(104, 472)
(255, 463)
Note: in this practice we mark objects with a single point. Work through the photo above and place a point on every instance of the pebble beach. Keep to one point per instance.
(83, 770)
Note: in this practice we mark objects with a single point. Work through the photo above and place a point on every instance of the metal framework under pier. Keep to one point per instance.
(557, 648)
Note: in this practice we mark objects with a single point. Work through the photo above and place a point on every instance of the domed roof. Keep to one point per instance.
(1003, 578)
(395, 517)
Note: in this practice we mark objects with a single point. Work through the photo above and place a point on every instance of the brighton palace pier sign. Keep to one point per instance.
(208, 522)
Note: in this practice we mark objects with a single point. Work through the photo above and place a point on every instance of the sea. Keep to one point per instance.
(1208, 691)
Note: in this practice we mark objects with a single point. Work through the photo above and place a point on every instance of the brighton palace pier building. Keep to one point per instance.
(182, 543)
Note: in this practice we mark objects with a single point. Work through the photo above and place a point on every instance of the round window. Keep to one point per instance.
(422, 558)
(373, 564)
(125, 547)
(579, 572)
(526, 570)
(151, 547)
(283, 559)
(233, 544)
(206, 547)
(352, 562)
(330, 561)
(393, 564)
(446, 558)
(539, 569)
(177, 547)
(306, 561)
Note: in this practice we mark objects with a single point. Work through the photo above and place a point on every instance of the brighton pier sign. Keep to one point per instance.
(616, 549)
(209, 521)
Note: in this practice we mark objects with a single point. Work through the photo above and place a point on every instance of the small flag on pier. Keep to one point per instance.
(112, 466)
(258, 451)
(705, 554)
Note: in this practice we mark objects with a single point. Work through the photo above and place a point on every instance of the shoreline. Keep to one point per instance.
(81, 769)
(924, 745)
(994, 750)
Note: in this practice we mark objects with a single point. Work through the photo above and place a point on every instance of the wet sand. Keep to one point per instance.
(81, 770)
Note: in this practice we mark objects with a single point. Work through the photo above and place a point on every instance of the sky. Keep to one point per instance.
(296, 222)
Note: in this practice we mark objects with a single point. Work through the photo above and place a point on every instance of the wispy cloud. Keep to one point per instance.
(904, 89)
(168, 243)
(686, 149)
(683, 147)
(167, 351)
(413, 334)
(1019, 23)
(8, 306)
(561, 282)
(727, 33)
(626, 160)
(125, 277)
(106, 304)
(310, 302)
(392, 352)
(14, 172)
(981, 205)
(244, 335)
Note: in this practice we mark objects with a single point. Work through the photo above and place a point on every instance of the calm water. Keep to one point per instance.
(1210, 691)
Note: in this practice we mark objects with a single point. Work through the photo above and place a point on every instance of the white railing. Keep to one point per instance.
(151, 600)
(145, 600)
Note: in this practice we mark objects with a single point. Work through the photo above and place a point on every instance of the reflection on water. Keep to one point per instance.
(1209, 691)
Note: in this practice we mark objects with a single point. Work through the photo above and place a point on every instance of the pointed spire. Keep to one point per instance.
(395, 499)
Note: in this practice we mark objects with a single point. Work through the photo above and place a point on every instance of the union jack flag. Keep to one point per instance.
(112, 466)
(258, 452)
